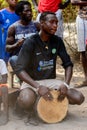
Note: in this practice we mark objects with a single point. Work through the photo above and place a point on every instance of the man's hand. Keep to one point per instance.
(20, 42)
(63, 92)
(45, 93)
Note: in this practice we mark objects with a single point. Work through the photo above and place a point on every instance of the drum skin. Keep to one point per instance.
(52, 111)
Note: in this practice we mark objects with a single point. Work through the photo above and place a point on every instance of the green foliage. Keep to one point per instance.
(4, 4)
(70, 13)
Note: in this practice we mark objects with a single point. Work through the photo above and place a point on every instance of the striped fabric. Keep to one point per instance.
(81, 25)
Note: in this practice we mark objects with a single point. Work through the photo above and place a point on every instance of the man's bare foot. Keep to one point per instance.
(32, 119)
(81, 84)
(3, 118)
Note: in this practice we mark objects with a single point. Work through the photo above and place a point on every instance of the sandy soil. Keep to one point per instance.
(76, 119)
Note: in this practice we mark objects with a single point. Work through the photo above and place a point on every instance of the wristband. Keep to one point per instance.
(66, 85)
(37, 88)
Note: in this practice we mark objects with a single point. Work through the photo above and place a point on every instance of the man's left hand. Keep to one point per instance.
(63, 92)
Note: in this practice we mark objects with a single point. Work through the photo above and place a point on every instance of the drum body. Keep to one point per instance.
(52, 111)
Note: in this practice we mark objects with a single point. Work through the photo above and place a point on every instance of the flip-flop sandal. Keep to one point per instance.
(82, 84)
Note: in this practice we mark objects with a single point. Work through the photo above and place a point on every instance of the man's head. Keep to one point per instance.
(12, 3)
(49, 22)
(23, 9)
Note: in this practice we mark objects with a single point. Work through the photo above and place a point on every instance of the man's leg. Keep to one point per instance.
(26, 101)
(75, 97)
(26, 98)
(84, 64)
(4, 109)
(81, 25)
(12, 61)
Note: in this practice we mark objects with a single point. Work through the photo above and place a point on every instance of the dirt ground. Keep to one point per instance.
(76, 119)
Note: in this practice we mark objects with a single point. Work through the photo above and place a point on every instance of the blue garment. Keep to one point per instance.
(0, 42)
(6, 19)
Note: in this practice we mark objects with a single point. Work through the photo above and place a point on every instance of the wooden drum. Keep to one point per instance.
(52, 111)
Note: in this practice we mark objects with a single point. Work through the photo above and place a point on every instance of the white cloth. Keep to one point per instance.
(3, 68)
(81, 25)
(50, 83)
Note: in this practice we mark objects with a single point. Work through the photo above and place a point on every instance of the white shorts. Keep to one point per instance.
(50, 83)
(3, 68)
(81, 25)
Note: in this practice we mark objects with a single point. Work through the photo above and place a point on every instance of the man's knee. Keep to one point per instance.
(75, 97)
(27, 98)
(80, 99)
(12, 61)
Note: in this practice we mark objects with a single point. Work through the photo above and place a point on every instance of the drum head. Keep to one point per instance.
(52, 111)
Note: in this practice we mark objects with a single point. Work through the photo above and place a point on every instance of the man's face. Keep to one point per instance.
(50, 25)
(12, 3)
(26, 13)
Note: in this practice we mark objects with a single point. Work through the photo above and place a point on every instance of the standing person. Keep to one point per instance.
(7, 17)
(21, 29)
(81, 24)
(3, 93)
(55, 6)
(36, 65)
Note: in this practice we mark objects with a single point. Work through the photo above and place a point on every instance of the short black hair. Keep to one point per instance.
(44, 14)
(20, 6)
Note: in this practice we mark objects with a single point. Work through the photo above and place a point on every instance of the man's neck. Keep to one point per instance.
(44, 37)
(23, 22)
(10, 9)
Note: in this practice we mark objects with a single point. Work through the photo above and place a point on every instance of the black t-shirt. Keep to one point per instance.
(38, 58)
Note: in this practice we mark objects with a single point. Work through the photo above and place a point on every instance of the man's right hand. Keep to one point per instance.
(20, 42)
(45, 93)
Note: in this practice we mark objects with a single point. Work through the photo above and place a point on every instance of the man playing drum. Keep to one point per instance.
(36, 66)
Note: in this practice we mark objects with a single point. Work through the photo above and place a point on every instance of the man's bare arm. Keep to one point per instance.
(11, 45)
(68, 74)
